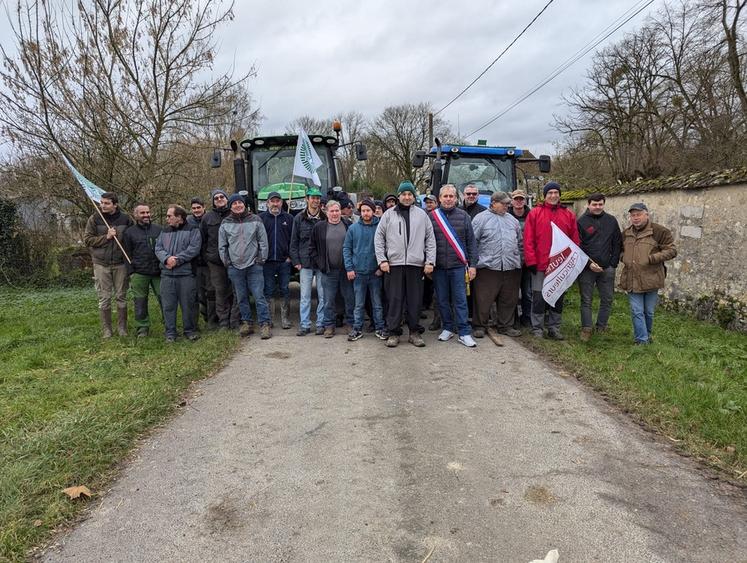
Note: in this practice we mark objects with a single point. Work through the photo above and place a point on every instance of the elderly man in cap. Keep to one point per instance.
(242, 244)
(300, 252)
(519, 210)
(500, 247)
(537, 245)
(405, 249)
(646, 246)
(277, 268)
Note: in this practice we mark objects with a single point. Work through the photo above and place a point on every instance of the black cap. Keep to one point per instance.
(274, 194)
(638, 207)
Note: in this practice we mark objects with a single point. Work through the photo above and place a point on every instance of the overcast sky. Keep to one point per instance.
(324, 57)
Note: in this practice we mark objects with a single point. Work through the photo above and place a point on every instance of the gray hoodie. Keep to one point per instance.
(499, 241)
(242, 241)
(391, 242)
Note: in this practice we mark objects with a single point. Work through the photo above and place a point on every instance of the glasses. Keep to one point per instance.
(220, 197)
(470, 193)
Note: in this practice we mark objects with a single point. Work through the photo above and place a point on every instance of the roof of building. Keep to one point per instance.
(697, 180)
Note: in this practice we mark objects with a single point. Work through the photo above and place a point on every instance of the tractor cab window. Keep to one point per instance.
(275, 166)
(489, 175)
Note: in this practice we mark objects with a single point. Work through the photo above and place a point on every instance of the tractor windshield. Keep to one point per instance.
(488, 174)
(275, 166)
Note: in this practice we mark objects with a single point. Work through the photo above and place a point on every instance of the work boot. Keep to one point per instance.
(284, 314)
(416, 340)
(106, 322)
(392, 341)
(244, 329)
(329, 332)
(478, 332)
(265, 332)
(554, 334)
(585, 334)
(436, 324)
(122, 321)
(512, 332)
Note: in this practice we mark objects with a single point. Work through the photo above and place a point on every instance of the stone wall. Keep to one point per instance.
(709, 227)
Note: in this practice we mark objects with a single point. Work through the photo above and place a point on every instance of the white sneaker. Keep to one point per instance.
(468, 341)
(445, 335)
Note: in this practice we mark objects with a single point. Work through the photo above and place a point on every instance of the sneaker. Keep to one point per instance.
(265, 332)
(354, 335)
(170, 339)
(244, 329)
(392, 341)
(192, 336)
(585, 335)
(381, 334)
(512, 332)
(329, 332)
(445, 335)
(416, 340)
(478, 333)
(319, 331)
(468, 341)
(555, 335)
(303, 331)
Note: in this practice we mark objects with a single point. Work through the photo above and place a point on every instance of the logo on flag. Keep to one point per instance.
(567, 261)
(91, 189)
(307, 161)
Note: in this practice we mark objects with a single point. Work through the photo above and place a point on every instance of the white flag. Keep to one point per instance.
(307, 161)
(567, 261)
(91, 189)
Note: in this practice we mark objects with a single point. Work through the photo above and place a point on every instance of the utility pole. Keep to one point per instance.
(430, 131)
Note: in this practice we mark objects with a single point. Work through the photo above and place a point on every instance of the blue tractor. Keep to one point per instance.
(490, 169)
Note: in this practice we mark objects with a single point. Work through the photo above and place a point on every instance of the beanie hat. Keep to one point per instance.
(551, 186)
(406, 186)
(234, 198)
(217, 191)
(370, 203)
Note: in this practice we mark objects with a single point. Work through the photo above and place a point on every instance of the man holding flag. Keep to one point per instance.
(538, 244)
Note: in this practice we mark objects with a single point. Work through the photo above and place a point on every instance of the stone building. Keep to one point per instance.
(707, 214)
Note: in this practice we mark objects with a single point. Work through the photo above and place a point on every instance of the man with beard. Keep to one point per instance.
(205, 291)
(277, 270)
(242, 244)
(300, 253)
(139, 243)
(109, 269)
(405, 249)
(226, 307)
(176, 247)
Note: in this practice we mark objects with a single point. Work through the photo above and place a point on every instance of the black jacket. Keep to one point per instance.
(462, 224)
(474, 209)
(209, 227)
(301, 237)
(279, 230)
(318, 245)
(140, 243)
(600, 238)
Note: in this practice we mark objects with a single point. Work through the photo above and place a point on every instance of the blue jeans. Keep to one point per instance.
(452, 291)
(371, 284)
(334, 281)
(277, 276)
(250, 280)
(304, 305)
(642, 307)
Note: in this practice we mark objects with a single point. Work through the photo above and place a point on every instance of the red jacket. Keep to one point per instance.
(538, 232)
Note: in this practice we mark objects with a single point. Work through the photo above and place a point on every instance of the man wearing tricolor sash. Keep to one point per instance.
(456, 263)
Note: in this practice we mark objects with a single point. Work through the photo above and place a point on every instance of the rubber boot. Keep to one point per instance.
(284, 314)
(122, 321)
(106, 322)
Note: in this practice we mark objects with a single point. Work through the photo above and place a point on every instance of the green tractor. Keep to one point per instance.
(265, 164)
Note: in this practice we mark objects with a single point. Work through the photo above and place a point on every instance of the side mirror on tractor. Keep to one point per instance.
(360, 152)
(544, 164)
(418, 159)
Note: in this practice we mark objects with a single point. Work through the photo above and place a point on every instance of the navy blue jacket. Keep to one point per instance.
(462, 224)
(279, 230)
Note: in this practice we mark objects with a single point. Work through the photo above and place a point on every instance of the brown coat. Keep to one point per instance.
(644, 254)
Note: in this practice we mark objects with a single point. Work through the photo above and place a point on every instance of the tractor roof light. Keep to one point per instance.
(259, 142)
(317, 139)
(331, 141)
(454, 149)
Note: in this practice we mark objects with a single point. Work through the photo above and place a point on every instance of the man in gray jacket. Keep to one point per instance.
(405, 249)
(243, 248)
(176, 247)
(499, 246)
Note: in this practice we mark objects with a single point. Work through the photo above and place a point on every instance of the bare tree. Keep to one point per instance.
(116, 85)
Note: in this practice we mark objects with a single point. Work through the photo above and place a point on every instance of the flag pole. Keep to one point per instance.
(119, 244)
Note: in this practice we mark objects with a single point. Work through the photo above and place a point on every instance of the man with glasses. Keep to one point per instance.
(471, 206)
(226, 306)
(205, 291)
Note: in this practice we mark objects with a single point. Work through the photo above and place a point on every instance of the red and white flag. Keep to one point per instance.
(567, 261)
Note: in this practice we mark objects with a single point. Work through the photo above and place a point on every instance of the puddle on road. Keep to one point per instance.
(539, 494)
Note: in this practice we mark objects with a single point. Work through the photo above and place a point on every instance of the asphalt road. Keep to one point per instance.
(303, 449)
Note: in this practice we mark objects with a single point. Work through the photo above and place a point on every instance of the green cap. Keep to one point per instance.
(313, 191)
(406, 186)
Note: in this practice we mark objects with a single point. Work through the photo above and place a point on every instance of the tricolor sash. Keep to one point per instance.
(450, 234)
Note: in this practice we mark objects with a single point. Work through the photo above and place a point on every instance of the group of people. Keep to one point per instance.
(483, 266)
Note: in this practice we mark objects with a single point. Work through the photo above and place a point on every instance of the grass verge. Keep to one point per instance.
(690, 384)
(72, 405)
